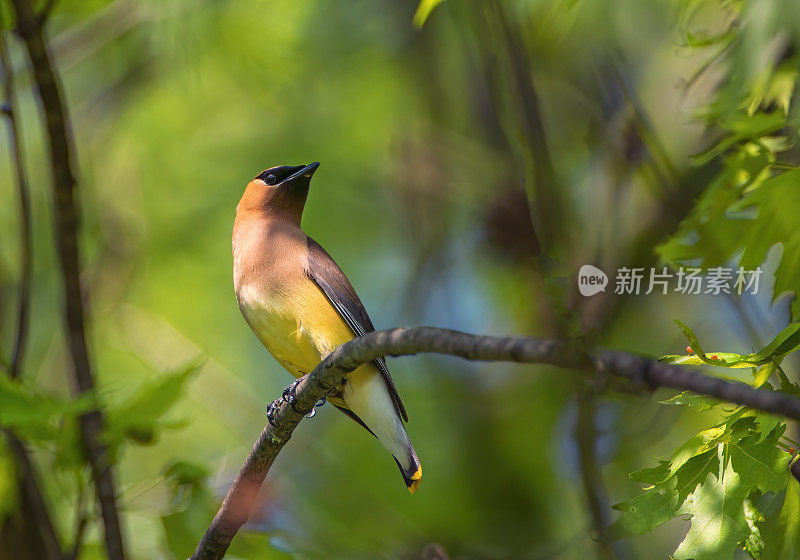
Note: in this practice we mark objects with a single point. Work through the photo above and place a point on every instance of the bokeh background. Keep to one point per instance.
(430, 143)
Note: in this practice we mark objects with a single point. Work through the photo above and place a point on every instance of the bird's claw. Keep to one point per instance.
(289, 393)
(271, 408)
(289, 397)
(313, 412)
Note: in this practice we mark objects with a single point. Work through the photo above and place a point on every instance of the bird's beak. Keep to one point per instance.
(305, 172)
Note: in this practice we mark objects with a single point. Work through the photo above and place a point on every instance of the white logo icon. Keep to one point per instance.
(591, 280)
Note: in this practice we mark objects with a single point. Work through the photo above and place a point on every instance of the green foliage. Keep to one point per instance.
(748, 214)
(751, 204)
(781, 531)
(36, 414)
(424, 9)
(692, 400)
(141, 416)
(741, 129)
(754, 543)
(717, 476)
(711, 478)
(786, 342)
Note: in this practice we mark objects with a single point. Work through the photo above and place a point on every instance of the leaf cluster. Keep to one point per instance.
(729, 479)
(716, 479)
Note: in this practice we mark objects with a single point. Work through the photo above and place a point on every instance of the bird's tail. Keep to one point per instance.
(413, 475)
(368, 398)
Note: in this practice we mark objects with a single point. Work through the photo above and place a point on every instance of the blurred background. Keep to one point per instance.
(471, 162)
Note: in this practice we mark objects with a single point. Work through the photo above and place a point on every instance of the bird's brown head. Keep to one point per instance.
(280, 191)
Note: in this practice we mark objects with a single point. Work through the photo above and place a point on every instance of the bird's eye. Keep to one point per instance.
(270, 179)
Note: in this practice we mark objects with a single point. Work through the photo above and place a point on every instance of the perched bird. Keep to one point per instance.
(301, 306)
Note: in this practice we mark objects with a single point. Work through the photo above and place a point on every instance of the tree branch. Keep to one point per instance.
(15, 146)
(564, 353)
(64, 183)
(40, 532)
(35, 537)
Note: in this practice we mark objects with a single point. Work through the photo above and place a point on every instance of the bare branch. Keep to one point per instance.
(23, 196)
(32, 503)
(409, 341)
(64, 183)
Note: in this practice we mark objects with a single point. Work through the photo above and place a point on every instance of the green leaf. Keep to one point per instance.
(762, 374)
(692, 400)
(140, 417)
(701, 442)
(22, 407)
(664, 500)
(782, 532)
(786, 342)
(775, 87)
(711, 478)
(723, 359)
(760, 462)
(694, 343)
(787, 386)
(754, 543)
(652, 475)
(696, 238)
(743, 127)
(745, 213)
(424, 9)
(718, 521)
(766, 422)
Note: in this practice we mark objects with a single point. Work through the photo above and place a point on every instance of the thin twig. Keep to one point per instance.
(641, 371)
(15, 142)
(30, 491)
(64, 184)
(32, 506)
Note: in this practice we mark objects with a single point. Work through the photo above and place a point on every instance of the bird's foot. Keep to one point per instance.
(289, 393)
(313, 412)
(289, 396)
(271, 409)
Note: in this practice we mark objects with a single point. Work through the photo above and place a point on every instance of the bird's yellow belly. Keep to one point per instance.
(299, 328)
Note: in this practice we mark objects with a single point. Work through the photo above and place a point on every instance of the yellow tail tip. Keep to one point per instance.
(415, 480)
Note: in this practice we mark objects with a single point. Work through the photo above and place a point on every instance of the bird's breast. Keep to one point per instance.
(295, 322)
(285, 308)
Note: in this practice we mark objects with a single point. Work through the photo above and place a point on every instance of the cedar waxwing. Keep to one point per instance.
(301, 306)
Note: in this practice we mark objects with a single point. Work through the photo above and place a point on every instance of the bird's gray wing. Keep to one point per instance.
(337, 288)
